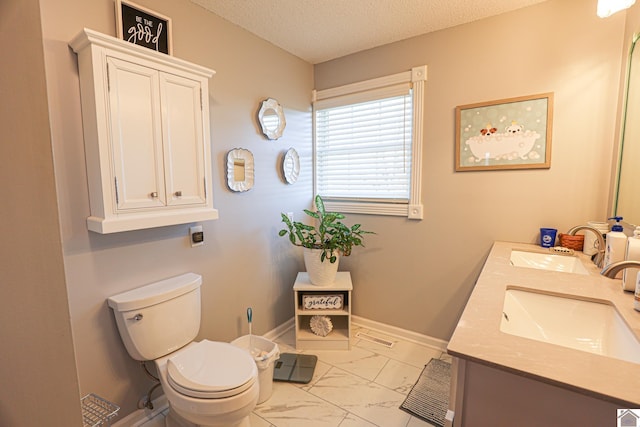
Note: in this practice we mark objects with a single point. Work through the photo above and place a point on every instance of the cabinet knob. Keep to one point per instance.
(178, 193)
(154, 194)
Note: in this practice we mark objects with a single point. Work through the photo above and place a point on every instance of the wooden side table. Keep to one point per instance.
(340, 337)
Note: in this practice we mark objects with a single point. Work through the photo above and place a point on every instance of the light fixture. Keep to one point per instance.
(609, 7)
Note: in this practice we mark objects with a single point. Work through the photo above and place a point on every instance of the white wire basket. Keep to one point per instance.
(97, 411)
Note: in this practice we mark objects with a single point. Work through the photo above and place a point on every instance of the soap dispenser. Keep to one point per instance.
(633, 253)
(616, 246)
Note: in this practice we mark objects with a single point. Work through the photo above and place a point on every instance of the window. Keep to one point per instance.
(368, 145)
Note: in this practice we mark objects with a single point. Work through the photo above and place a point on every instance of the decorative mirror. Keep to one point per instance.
(240, 170)
(627, 203)
(291, 166)
(271, 118)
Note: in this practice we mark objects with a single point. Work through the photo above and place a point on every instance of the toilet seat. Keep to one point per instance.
(211, 370)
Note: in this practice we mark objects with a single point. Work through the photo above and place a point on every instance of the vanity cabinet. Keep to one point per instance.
(501, 378)
(146, 131)
(520, 400)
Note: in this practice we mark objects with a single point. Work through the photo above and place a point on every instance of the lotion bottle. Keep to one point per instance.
(629, 275)
(616, 245)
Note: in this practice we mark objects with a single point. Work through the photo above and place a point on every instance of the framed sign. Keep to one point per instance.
(143, 27)
(322, 302)
(512, 133)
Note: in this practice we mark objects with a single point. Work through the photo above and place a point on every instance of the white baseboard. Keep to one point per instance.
(280, 329)
(142, 416)
(435, 343)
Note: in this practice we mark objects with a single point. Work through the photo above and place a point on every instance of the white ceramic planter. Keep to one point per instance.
(320, 273)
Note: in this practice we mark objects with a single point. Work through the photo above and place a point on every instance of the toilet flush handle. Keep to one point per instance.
(137, 317)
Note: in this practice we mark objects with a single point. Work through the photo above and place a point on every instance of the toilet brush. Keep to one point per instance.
(249, 319)
(256, 352)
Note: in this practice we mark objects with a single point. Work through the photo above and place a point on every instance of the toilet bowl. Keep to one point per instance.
(210, 383)
(206, 383)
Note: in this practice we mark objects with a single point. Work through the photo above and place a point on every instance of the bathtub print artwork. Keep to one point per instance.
(507, 134)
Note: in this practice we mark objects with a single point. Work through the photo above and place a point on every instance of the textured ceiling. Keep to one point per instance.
(320, 30)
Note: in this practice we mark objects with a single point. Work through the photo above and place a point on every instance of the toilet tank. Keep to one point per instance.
(159, 318)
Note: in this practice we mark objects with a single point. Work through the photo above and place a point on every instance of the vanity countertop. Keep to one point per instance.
(478, 338)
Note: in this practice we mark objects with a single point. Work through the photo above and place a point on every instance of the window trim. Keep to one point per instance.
(417, 77)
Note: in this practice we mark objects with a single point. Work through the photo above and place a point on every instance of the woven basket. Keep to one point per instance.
(572, 242)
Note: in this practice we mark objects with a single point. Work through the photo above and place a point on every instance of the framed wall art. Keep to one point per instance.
(144, 27)
(513, 133)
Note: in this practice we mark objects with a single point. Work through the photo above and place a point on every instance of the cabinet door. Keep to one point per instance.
(182, 129)
(136, 135)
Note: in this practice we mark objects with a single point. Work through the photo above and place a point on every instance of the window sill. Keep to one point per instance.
(376, 208)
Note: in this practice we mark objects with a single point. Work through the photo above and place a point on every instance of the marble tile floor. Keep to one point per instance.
(362, 387)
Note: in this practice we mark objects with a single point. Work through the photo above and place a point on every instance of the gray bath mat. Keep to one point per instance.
(429, 397)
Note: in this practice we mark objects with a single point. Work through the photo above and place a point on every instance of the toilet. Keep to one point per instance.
(206, 383)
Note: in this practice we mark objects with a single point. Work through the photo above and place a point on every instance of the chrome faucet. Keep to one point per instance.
(611, 270)
(599, 257)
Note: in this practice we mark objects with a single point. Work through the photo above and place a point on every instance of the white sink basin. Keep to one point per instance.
(582, 325)
(541, 261)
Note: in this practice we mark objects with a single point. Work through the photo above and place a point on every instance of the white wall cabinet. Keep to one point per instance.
(146, 131)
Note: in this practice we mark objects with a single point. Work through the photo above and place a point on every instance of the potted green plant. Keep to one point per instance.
(324, 240)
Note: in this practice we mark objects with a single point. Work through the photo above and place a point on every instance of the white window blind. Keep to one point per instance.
(368, 145)
(363, 150)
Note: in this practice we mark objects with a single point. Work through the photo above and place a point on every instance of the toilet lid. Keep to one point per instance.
(211, 370)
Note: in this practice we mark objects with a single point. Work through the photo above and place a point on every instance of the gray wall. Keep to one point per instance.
(243, 261)
(418, 274)
(37, 364)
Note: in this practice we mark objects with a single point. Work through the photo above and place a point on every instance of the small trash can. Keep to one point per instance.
(265, 353)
